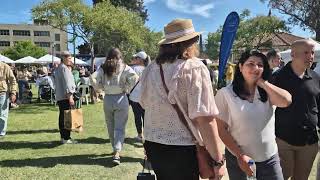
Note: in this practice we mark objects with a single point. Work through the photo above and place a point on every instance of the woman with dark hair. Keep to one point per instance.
(245, 121)
(169, 142)
(116, 79)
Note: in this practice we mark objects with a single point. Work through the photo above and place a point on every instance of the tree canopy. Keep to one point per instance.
(22, 49)
(305, 13)
(132, 5)
(102, 26)
(252, 33)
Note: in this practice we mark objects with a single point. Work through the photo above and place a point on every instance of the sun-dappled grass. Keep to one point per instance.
(32, 150)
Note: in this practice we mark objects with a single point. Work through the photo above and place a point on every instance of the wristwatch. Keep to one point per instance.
(220, 163)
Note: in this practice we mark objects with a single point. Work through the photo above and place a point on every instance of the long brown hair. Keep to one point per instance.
(112, 58)
(181, 50)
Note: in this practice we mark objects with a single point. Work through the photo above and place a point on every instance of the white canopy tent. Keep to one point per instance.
(48, 59)
(6, 59)
(98, 61)
(26, 60)
(286, 55)
(80, 62)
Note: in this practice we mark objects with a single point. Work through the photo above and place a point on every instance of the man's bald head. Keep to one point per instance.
(302, 53)
(300, 43)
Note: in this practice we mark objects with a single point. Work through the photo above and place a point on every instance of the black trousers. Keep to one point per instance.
(138, 112)
(171, 162)
(63, 105)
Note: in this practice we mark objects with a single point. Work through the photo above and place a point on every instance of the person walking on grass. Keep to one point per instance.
(140, 61)
(116, 79)
(296, 125)
(64, 89)
(245, 119)
(169, 145)
(8, 89)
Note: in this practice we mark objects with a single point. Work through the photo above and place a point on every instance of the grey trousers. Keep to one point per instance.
(116, 109)
(266, 170)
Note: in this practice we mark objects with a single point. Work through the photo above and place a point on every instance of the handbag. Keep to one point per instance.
(143, 175)
(204, 159)
(73, 120)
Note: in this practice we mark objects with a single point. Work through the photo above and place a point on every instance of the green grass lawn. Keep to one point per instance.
(32, 149)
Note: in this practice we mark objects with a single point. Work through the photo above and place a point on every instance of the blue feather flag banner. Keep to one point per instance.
(229, 32)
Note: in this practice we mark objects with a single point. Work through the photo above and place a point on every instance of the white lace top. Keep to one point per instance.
(189, 84)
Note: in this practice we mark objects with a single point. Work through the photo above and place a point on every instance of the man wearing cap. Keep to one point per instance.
(65, 87)
(8, 88)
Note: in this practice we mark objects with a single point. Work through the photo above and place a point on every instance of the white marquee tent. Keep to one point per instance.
(286, 55)
(26, 60)
(47, 59)
(6, 59)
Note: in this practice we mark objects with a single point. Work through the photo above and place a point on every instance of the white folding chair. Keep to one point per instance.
(85, 92)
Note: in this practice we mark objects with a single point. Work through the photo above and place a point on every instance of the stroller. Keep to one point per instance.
(45, 93)
(46, 90)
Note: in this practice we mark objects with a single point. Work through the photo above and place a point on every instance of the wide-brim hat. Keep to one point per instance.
(178, 30)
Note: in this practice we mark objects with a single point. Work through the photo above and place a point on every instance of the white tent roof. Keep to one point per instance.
(6, 59)
(47, 59)
(286, 55)
(26, 60)
(80, 62)
(98, 61)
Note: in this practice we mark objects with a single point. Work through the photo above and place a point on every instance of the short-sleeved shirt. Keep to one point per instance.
(189, 83)
(297, 123)
(251, 124)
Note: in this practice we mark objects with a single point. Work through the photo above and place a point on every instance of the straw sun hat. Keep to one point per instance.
(178, 30)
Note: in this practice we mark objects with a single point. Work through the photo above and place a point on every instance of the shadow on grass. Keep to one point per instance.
(34, 108)
(86, 159)
(133, 142)
(33, 131)
(8, 145)
(93, 140)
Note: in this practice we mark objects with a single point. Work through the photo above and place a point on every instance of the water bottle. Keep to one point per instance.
(252, 165)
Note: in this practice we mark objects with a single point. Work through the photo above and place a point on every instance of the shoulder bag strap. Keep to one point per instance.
(175, 106)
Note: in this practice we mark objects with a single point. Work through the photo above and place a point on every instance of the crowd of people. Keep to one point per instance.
(268, 113)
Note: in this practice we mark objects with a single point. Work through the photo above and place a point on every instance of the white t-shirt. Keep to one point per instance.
(135, 94)
(250, 124)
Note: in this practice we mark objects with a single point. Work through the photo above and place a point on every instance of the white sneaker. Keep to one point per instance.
(69, 141)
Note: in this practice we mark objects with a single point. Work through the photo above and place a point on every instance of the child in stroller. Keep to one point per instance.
(46, 88)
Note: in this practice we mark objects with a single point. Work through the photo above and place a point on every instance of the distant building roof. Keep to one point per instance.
(280, 40)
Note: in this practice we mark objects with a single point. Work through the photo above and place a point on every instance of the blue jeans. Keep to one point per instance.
(21, 85)
(266, 170)
(4, 111)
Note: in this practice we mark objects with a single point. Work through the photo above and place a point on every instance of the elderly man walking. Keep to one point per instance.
(8, 88)
(296, 125)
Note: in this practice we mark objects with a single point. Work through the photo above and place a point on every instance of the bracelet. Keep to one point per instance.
(220, 163)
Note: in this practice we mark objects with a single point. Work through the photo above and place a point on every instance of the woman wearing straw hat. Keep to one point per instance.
(169, 143)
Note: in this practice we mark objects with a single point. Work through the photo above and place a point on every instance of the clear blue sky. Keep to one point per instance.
(207, 15)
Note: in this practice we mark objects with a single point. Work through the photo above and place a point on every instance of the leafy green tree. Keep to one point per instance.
(252, 33)
(118, 27)
(22, 49)
(132, 5)
(305, 13)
